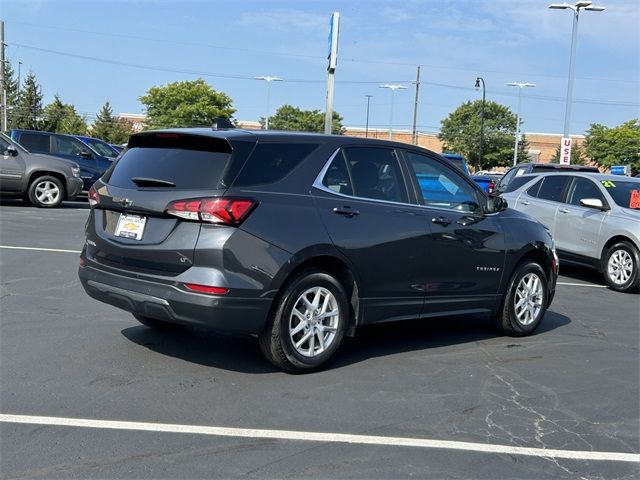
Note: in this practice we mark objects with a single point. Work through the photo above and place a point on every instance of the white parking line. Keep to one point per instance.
(40, 249)
(581, 285)
(319, 437)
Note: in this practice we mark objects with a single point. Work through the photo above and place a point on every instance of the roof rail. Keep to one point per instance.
(221, 122)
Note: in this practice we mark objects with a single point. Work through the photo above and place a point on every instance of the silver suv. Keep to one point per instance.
(594, 220)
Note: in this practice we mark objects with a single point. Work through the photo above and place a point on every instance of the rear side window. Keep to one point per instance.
(271, 162)
(552, 188)
(35, 142)
(516, 183)
(337, 176)
(188, 162)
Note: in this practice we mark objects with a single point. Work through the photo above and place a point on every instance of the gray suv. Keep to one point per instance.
(594, 220)
(43, 180)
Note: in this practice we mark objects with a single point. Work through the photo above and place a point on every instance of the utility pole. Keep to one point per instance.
(3, 118)
(331, 70)
(414, 137)
(366, 128)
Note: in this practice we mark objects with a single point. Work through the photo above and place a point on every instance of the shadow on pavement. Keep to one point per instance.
(582, 274)
(79, 203)
(242, 354)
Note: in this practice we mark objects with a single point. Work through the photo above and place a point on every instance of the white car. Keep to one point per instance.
(593, 218)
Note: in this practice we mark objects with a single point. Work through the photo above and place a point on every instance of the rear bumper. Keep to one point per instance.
(170, 303)
(74, 187)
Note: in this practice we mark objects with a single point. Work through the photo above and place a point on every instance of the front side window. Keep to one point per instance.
(552, 188)
(69, 146)
(375, 173)
(440, 186)
(583, 188)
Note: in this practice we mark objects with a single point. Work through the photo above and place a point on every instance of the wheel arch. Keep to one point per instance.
(334, 265)
(41, 173)
(612, 241)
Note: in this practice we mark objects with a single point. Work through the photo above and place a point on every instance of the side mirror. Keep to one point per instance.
(11, 150)
(593, 203)
(496, 204)
(85, 153)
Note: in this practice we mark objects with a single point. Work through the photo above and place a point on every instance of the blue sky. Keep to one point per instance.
(92, 51)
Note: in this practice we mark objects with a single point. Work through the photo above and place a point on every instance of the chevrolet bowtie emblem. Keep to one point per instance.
(125, 202)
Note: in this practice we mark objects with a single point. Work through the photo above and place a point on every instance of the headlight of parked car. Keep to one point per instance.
(75, 171)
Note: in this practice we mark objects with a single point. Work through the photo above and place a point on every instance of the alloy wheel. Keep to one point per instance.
(528, 299)
(313, 322)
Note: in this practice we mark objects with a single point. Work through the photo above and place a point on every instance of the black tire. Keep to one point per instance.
(276, 342)
(40, 182)
(156, 324)
(507, 320)
(628, 252)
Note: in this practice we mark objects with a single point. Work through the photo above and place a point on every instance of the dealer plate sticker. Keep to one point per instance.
(131, 226)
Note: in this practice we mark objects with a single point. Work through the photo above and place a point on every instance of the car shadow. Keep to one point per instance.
(582, 274)
(242, 354)
(18, 202)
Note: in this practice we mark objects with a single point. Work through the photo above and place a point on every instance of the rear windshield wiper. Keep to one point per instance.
(152, 182)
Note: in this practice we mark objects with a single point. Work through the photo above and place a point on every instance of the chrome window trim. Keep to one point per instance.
(320, 186)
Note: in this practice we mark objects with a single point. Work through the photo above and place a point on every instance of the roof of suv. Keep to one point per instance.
(596, 176)
(557, 166)
(238, 134)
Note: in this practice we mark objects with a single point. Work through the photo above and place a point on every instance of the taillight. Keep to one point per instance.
(93, 196)
(225, 211)
(194, 287)
(492, 186)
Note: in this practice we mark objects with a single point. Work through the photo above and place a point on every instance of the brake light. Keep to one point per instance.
(225, 211)
(492, 187)
(206, 289)
(93, 196)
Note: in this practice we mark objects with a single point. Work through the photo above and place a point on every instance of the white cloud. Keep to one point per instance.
(286, 19)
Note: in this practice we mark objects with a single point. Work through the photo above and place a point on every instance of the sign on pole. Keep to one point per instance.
(565, 151)
(331, 69)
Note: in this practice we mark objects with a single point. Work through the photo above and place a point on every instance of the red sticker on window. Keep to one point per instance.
(634, 201)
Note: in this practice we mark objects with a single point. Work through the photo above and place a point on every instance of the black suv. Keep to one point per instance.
(301, 238)
(525, 168)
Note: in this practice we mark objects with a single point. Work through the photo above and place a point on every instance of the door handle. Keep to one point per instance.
(524, 202)
(564, 210)
(441, 221)
(346, 211)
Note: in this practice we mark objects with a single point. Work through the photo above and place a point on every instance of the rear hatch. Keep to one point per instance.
(131, 226)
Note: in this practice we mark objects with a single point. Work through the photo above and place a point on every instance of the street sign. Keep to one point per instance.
(620, 170)
(565, 151)
(333, 41)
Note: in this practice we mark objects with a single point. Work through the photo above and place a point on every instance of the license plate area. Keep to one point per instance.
(130, 226)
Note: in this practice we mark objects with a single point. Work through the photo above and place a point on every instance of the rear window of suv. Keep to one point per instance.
(188, 162)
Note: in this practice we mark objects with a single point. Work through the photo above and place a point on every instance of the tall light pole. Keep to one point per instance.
(576, 7)
(393, 89)
(520, 86)
(268, 80)
(484, 91)
(366, 128)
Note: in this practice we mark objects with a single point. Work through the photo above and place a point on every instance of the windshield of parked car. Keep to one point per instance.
(624, 193)
(100, 147)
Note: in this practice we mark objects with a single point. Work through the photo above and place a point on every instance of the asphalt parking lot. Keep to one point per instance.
(87, 392)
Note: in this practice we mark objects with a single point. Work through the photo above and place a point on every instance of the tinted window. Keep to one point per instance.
(376, 173)
(69, 146)
(516, 183)
(271, 162)
(533, 190)
(187, 169)
(441, 187)
(3, 145)
(337, 176)
(102, 148)
(35, 142)
(552, 188)
(583, 188)
(507, 178)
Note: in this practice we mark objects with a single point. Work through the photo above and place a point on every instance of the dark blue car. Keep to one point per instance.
(92, 164)
(103, 148)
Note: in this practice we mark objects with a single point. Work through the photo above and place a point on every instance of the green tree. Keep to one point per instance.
(29, 110)
(460, 133)
(614, 146)
(109, 127)
(291, 118)
(577, 155)
(60, 117)
(185, 104)
(12, 93)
